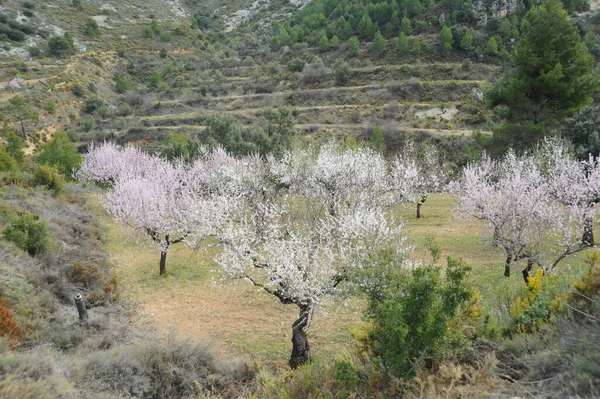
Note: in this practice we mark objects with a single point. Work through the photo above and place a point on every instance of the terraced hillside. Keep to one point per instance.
(177, 67)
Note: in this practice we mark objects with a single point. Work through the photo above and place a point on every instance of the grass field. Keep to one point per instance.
(238, 320)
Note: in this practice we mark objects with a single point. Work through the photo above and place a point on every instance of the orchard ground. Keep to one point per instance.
(236, 319)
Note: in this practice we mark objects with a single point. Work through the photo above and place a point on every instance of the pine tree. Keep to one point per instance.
(395, 20)
(554, 77)
(466, 42)
(353, 46)
(446, 41)
(402, 43)
(323, 42)
(366, 28)
(376, 140)
(405, 26)
(344, 29)
(334, 42)
(492, 46)
(379, 44)
(416, 49)
(389, 30)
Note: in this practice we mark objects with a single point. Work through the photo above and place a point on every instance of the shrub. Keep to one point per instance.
(413, 315)
(61, 46)
(341, 72)
(60, 153)
(121, 84)
(7, 163)
(124, 109)
(48, 177)
(86, 124)
(93, 104)
(8, 326)
(153, 370)
(77, 90)
(296, 65)
(72, 135)
(91, 28)
(103, 112)
(29, 233)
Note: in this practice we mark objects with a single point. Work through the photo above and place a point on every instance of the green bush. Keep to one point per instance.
(93, 104)
(341, 71)
(48, 177)
(414, 315)
(124, 109)
(77, 90)
(121, 84)
(61, 46)
(7, 163)
(91, 28)
(60, 153)
(29, 233)
(296, 65)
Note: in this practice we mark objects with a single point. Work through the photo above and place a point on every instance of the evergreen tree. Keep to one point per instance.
(376, 140)
(395, 20)
(344, 29)
(389, 30)
(466, 42)
(402, 43)
(505, 29)
(554, 77)
(446, 41)
(492, 46)
(323, 42)
(334, 42)
(366, 28)
(353, 47)
(379, 44)
(416, 49)
(405, 26)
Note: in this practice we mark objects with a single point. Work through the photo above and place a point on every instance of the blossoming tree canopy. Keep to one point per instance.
(536, 207)
(319, 215)
(162, 199)
(104, 164)
(416, 173)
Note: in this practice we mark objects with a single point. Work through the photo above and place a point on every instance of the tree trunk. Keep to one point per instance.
(526, 271)
(588, 232)
(300, 348)
(419, 210)
(23, 130)
(507, 266)
(163, 262)
(83, 316)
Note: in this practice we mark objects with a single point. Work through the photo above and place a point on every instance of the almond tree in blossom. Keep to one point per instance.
(417, 173)
(152, 195)
(309, 221)
(535, 207)
(105, 163)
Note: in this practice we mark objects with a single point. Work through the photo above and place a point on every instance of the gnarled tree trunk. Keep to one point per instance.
(301, 348)
(419, 210)
(527, 270)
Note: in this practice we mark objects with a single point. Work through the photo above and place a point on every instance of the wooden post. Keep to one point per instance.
(83, 316)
